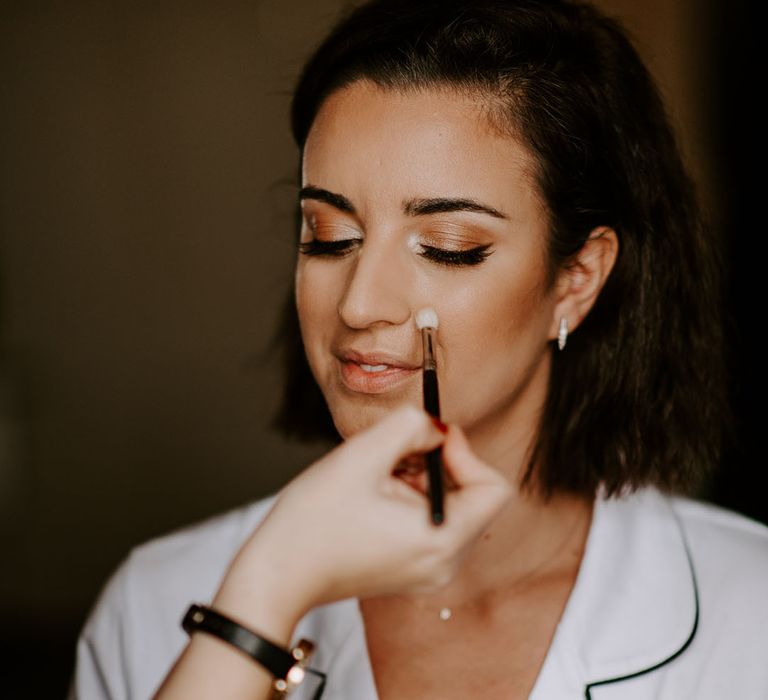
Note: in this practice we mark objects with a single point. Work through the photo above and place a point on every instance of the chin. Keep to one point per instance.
(349, 422)
(353, 419)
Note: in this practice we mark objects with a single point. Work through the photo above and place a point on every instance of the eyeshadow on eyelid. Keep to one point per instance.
(441, 238)
(335, 227)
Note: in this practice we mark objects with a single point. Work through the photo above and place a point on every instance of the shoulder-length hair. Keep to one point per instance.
(638, 395)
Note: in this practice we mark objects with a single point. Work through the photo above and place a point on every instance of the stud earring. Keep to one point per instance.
(562, 333)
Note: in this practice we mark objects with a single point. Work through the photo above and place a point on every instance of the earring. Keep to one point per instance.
(562, 333)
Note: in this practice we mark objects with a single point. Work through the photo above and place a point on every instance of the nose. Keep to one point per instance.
(377, 289)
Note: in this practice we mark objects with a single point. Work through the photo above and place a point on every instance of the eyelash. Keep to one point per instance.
(449, 258)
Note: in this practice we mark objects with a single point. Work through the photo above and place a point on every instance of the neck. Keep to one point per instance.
(530, 540)
(532, 537)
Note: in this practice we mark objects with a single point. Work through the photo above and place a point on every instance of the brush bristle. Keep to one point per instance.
(426, 318)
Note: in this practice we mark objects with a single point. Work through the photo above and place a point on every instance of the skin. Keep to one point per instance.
(504, 556)
(380, 149)
(305, 553)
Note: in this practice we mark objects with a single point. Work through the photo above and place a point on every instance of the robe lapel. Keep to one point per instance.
(634, 607)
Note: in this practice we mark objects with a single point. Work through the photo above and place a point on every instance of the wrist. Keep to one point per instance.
(262, 592)
(287, 667)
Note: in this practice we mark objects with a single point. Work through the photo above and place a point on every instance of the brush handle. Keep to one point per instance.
(436, 485)
(431, 394)
(435, 457)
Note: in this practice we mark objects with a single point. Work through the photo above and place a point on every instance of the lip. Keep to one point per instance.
(376, 357)
(356, 379)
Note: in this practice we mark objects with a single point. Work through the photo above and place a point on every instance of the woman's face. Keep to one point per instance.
(411, 200)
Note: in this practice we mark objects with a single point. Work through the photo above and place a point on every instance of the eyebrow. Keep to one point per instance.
(439, 205)
(412, 207)
(339, 201)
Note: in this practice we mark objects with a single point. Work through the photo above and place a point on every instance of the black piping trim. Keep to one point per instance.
(686, 644)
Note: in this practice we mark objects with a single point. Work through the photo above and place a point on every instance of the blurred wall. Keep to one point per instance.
(146, 199)
(147, 243)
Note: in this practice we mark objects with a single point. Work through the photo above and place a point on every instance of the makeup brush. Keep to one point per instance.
(426, 321)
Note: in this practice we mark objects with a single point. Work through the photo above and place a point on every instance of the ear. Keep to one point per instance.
(579, 284)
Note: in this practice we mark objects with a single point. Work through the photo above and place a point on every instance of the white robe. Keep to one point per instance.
(670, 602)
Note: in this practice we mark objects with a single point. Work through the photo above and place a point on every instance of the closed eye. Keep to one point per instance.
(332, 248)
(454, 258)
(440, 256)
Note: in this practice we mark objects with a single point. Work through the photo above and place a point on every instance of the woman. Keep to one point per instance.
(510, 165)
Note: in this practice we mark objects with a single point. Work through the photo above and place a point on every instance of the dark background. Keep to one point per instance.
(146, 250)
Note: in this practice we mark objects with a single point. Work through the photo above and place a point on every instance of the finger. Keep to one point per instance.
(465, 466)
(411, 470)
(418, 482)
(402, 432)
(411, 464)
(483, 490)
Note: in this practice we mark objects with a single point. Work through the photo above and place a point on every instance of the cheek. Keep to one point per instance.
(311, 311)
(492, 336)
(492, 308)
(315, 297)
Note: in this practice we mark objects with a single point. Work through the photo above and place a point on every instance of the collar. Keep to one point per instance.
(634, 606)
(338, 631)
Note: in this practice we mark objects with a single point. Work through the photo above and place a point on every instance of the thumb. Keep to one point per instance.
(482, 490)
(402, 432)
(465, 466)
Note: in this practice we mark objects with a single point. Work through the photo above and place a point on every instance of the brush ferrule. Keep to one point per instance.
(428, 341)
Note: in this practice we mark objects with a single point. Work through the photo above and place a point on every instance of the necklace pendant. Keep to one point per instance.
(445, 614)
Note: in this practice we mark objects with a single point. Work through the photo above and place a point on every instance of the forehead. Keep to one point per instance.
(368, 141)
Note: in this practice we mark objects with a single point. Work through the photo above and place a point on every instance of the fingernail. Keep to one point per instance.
(442, 427)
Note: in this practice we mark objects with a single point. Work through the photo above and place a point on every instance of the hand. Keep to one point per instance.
(349, 527)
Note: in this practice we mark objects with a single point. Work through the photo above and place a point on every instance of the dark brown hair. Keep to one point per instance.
(638, 395)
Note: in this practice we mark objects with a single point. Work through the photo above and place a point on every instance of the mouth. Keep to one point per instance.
(375, 372)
